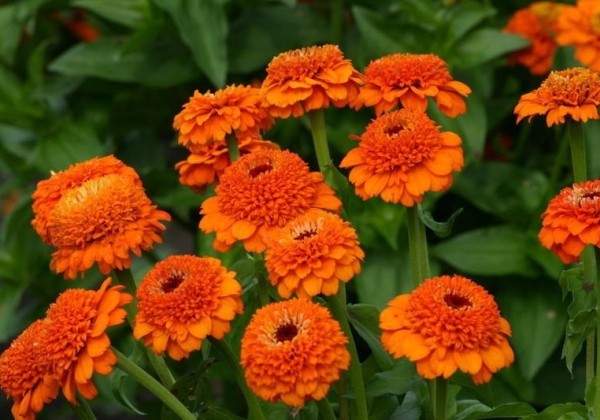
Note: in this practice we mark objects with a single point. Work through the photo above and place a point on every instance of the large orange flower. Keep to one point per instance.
(292, 351)
(572, 92)
(307, 79)
(184, 299)
(401, 155)
(92, 215)
(312, 254)
(572, 221)
(211, 116)
(409, 79)
(259, 192)
(580, 26)
(448, 324)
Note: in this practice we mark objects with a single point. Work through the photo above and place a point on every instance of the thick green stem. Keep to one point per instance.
(319, 135)
(152, 385)
(232, 148)
(590, 348)
(251, 399)
(578, 159)
(595, 256)
(439, 398)
(82, 409)
(325, 410)
(337, 21)
(417, 245)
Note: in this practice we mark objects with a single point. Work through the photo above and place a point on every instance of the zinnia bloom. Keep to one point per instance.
(95, 212)
(572, 92)
(211, 116)
(259, 192)
(312, 254)
(184, 299)
(572, 221)
(448, 324)
(409, 79)
(292, 351)
(580, 26)
(308, 79)
(401, 155)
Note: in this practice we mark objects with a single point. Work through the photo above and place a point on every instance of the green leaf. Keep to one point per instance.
(465, 16)
(579, 327)
(566, 411)
(410, 409)
(365, 320)
(192, 388)
(121, 385)
(397, 381)
(129, 13)
(441, 229)
(474, 410)
(583, 294)
(484, 45)
(372, 28)
(202, 26)
(13, 18)
(10, 298)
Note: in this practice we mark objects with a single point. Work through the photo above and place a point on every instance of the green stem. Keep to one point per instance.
(590, 348)
(440, 396)
(232, 148)
(319, 135)
(559, 162)
(325, 410)
(152, 385)
(337, 21)
(577, 151)
(262, 283)
(251, 399)
(417, 245)
(82, 409)
(593, 265)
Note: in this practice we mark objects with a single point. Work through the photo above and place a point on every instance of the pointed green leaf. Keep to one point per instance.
(365, 320)
(579, 327)
(441, 229)
(566, 411)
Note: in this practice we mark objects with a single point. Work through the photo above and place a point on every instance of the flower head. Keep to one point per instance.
(210, 117)
(401, 155)
(580, 26)
(292, 351)
(308, 79)
(184, 299)
(93, 214)
(312, 254)
(448, 324)
(572, 221)
(572, 92)
(259, 192)
(409, 79)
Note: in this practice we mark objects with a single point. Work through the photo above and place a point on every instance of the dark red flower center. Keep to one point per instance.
(286, 332)
(393, 130)
(305, 234)
(172, 282)
(457, 301)
(260, 169)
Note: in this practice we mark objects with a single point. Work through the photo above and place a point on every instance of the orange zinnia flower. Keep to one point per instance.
(211, 116)
(259, 192)
(308, 79)
(572, 221)
(312, 254)
(580, 26)
(572, 92)
(445, 324)
(410, 79)
(184, 299)
(401, 155)
(25, 373)
(292, 351)
(95, 212)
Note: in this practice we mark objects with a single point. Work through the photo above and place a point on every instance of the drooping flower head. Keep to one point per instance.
(579, 26)
(95, 212)
(308, 79)
(259, 192)
(184, 299)
(409, 80)
(573, 93)
(292, 351)
(572, 221)
(401, 155)
(446, 324)
(210, 117)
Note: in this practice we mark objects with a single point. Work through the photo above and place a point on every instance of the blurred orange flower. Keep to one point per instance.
(448, 324)
(308, 79)
(579, 26)
(572, 92)
(409, 79)
(184, 299)
(292, 351)
(401, 155)
(259, 192)
(312, 254)
(572, 221)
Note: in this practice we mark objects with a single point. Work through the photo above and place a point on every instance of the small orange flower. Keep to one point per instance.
(580, 26)
(211, 116)
(572, 221)
(259, 192)
(184, 299)
(292, 351)
(572, 92)
(410, 79)
(401, 155)
(448, 324)
(308, 79)
(312, 254)
(95, 212)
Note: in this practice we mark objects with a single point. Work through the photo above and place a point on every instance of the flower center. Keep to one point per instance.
(393, 130)
(457, 301)
(286, 332)
(260, 169)
(172, 282)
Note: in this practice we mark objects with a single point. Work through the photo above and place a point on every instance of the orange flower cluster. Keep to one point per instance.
(448, 324)
(410, 79)
(292, 351)
(579, 26)
(572, 92)
(401, 155)
(95, 212)
(572, 221)
(184, 299)
(63, 350)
